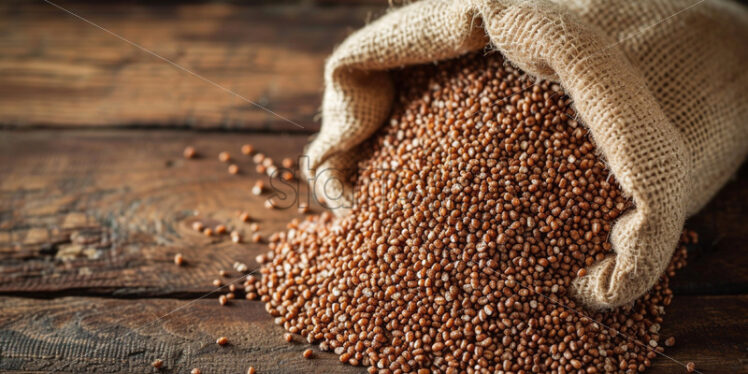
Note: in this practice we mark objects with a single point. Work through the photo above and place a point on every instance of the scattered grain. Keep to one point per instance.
(236, 237)
(240, 267)
(189, 152)
(258, 188)
(158, 364)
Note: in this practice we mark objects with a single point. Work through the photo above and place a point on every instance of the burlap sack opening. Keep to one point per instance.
(661, 84)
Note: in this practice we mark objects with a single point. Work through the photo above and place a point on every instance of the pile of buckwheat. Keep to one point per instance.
(476, 207)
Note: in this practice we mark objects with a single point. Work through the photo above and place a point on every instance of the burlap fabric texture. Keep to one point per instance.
(661, 84)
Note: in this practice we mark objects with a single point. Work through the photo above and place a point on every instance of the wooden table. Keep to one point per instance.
(96, 199)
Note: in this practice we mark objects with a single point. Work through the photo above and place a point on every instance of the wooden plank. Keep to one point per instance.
(57, 70)
(93, 335)
(111, 335)
(717, 264)
(104, 212)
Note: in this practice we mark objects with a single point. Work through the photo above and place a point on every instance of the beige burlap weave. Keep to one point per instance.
(661, 84)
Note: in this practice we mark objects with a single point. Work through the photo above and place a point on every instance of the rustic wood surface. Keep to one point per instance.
(78, 334)
(102, 212)
(57, 70)
(96, 198)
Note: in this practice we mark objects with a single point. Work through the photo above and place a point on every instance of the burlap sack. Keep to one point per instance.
(661, 84)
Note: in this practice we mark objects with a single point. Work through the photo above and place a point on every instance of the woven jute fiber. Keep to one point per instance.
(662, 86)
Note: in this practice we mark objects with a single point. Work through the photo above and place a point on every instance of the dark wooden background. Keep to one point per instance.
(95, 198)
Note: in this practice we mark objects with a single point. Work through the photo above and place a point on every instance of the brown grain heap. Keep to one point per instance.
(474, 214)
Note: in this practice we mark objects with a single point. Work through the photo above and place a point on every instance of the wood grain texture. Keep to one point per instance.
(719, 262)
(82, 335)
(94, 335)
(57, 70)
(104, 212)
